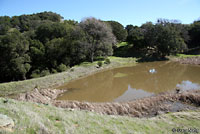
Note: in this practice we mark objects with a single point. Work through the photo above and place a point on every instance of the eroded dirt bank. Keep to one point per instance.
(44, 96)
(146, 107)
(189, 60)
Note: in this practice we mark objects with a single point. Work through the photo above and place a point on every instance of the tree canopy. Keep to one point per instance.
(14, 59)
(99, 38)
(158, 39)
(39, 44)
(118, 30)
(194, 33)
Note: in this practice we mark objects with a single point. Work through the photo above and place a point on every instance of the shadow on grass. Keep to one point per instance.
(128, 51)
(151, 59)
(193, 51)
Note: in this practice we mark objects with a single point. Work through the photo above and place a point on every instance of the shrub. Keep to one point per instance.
(99, 63)
(62, 67)
(107, 61)
(35, 73)
(99, 58)
(44, 72)
(72, 70)
(36, 86)
(53, 71)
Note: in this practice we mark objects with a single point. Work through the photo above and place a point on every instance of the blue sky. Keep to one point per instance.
(134, 12)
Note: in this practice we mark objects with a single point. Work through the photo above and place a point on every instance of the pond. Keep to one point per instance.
(129, 83)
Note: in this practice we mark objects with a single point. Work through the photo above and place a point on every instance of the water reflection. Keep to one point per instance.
(123, 84)
(132, 94)
(188, 85)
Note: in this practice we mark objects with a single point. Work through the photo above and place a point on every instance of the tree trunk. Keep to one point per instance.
(23, 77)
(92, 57)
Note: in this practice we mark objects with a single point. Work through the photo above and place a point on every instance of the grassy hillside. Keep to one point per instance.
(32, 118)
(185, 55)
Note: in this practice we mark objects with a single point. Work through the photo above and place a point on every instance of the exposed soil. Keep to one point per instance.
(189, 60)
(44, 96)
(146, 107)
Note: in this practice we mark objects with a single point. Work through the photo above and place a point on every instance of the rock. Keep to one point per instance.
(5, 101)
(6, 123)
(177, 90)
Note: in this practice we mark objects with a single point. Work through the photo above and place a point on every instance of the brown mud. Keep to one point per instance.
(145, 107)
(44, 96)
(189, 60)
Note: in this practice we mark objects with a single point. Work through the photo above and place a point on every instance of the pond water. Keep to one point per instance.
(129, 83)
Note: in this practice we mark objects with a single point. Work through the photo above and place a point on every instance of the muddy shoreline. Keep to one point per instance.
(145, 107)
(189, 60)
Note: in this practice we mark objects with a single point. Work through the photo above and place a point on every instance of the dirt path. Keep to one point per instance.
(146, 107)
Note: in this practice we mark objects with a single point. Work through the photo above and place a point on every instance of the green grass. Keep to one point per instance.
(85, 68)
(123, 50)
(87, 64)
(13, 88)
(185, 55)
(30, 118)
(122, 44)
(126, 50)
(120, 61)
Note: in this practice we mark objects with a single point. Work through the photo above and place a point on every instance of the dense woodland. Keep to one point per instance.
(39, 44)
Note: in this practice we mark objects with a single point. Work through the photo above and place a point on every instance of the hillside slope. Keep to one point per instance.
(32, 118)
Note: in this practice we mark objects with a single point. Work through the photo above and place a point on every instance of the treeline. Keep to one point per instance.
(39, 44)
(43, 43)
(163, 38)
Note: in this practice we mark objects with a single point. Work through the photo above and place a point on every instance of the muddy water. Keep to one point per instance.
(129, 83)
